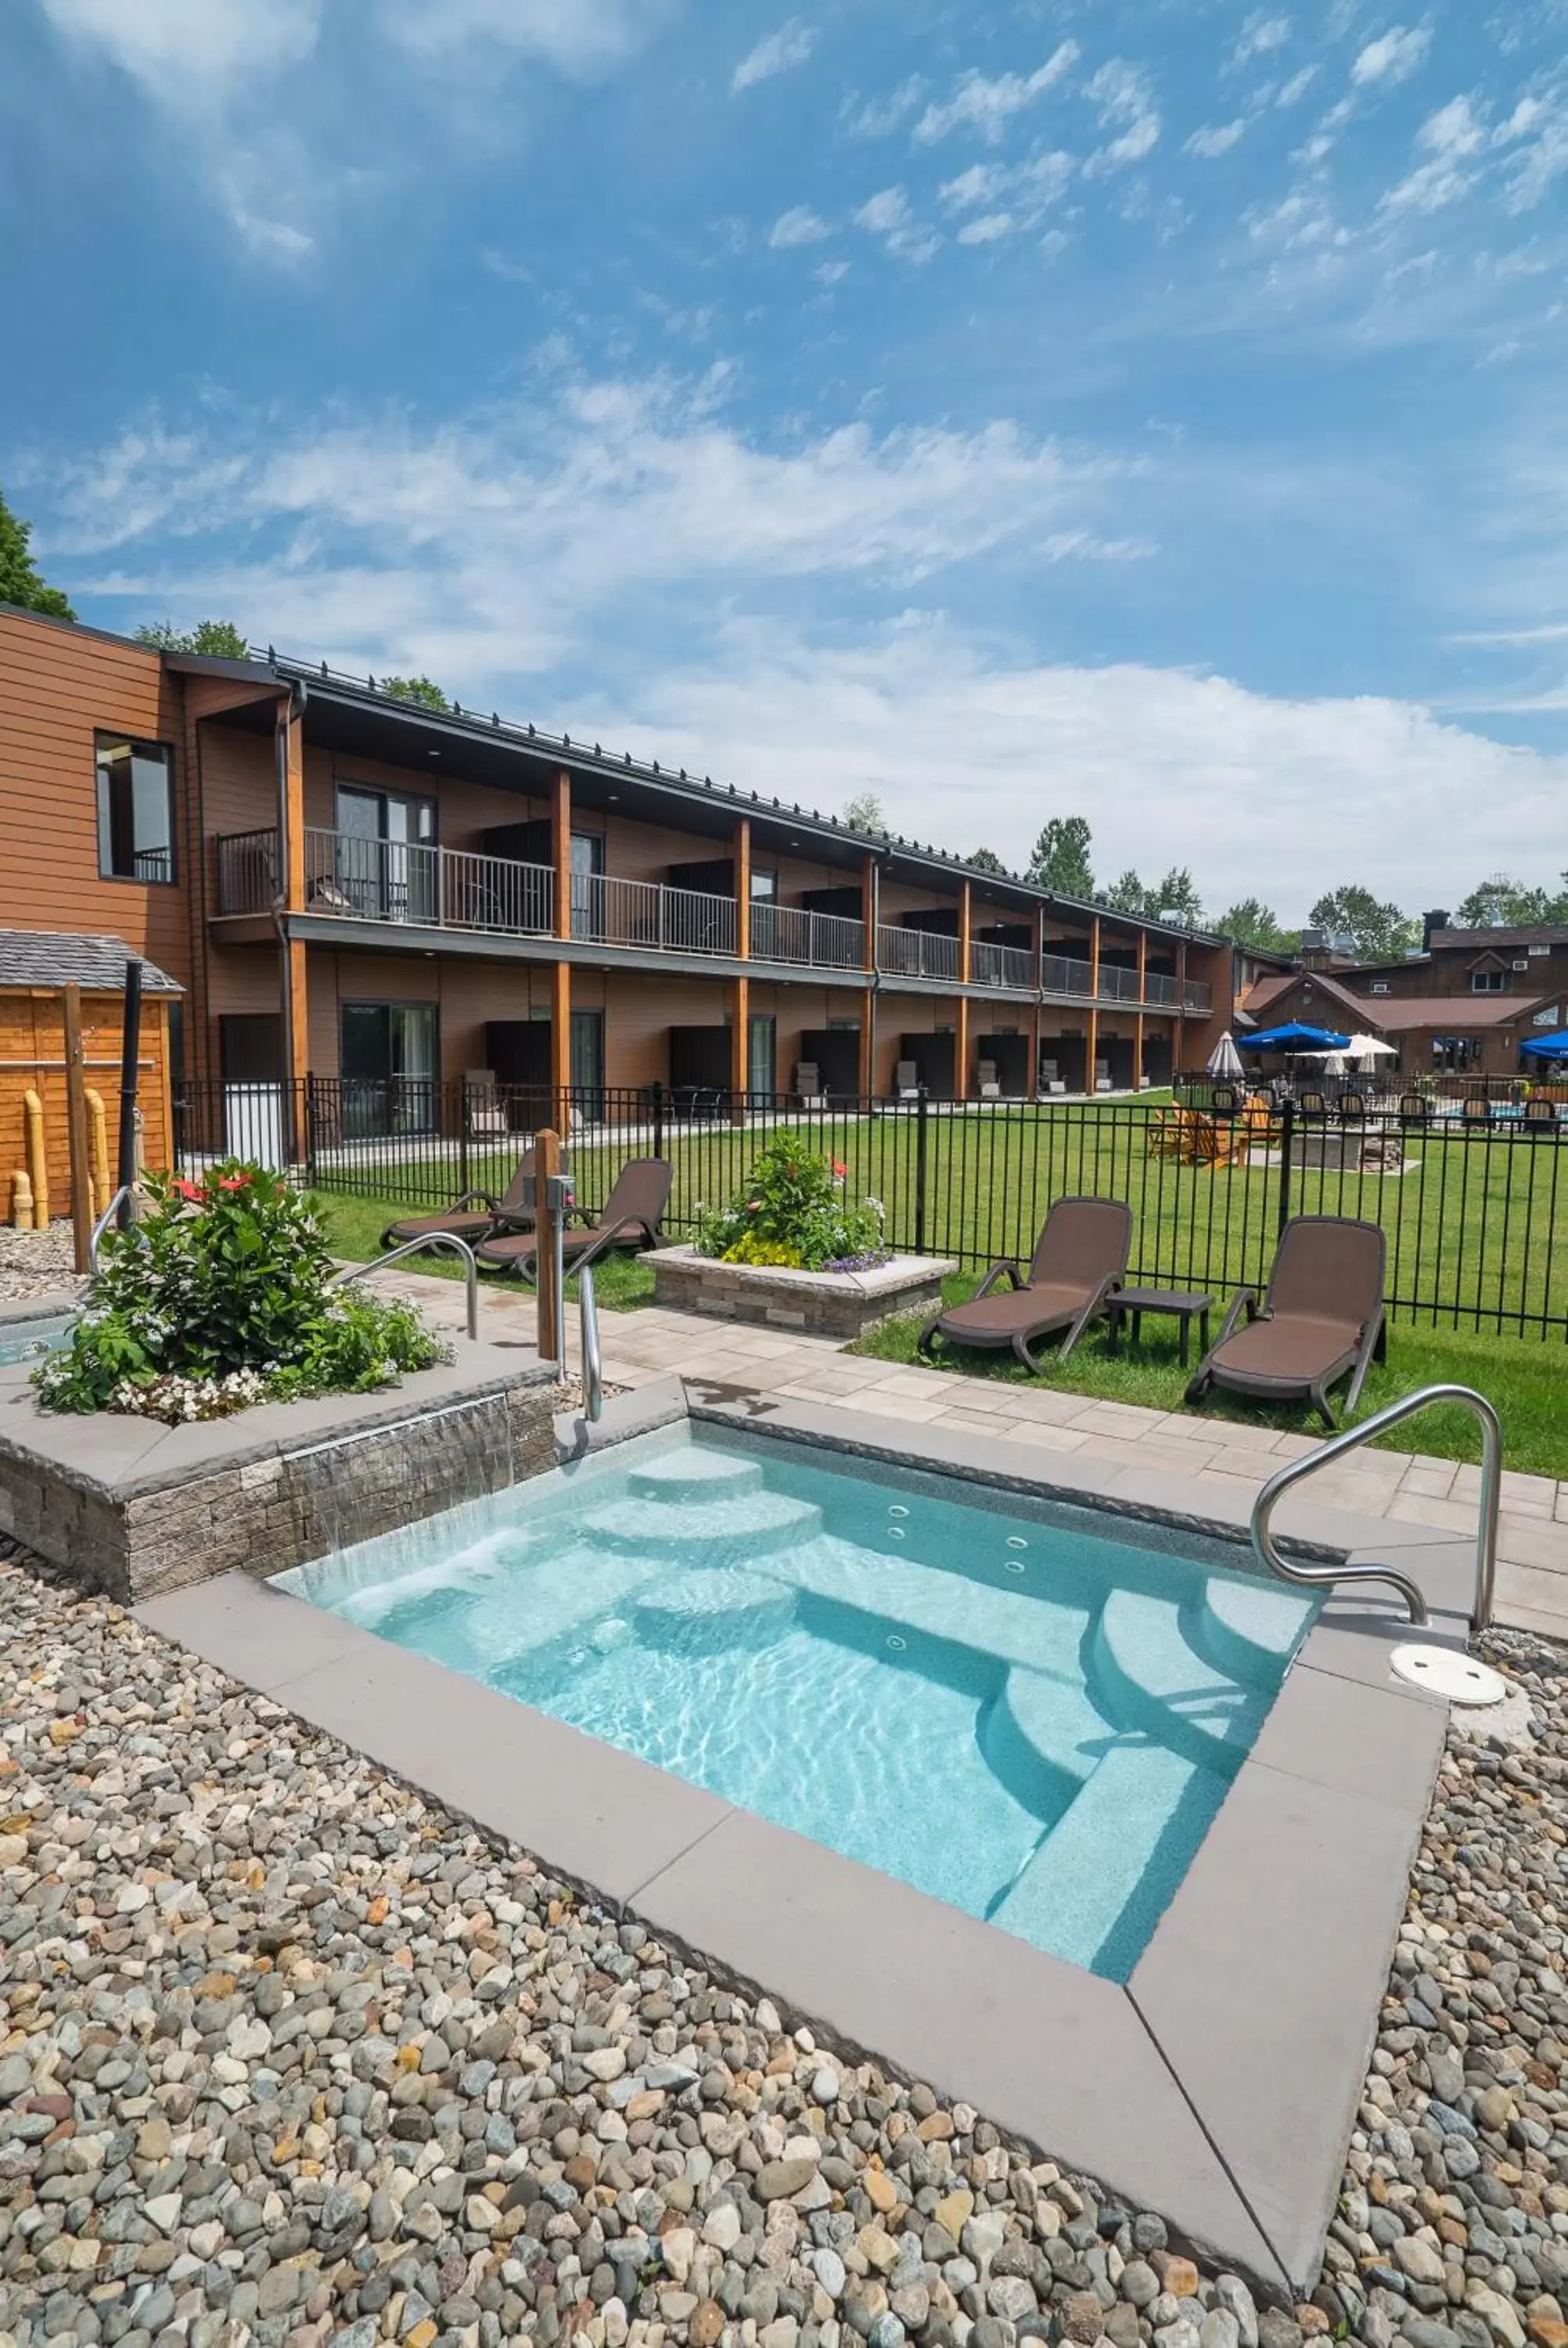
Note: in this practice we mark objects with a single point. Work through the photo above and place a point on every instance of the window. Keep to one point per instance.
(1488, 981)
(383, 860)
(1379, 986)
(136, 810)
(764, 888)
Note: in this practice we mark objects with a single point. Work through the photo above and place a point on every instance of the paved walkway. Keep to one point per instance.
(1228, 1454)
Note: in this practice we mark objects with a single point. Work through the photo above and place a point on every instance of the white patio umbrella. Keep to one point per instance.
(1368, 1048)
(1224, 1060)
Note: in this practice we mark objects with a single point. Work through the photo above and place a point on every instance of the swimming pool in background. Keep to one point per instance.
(24, 1337)
(1017, 1713)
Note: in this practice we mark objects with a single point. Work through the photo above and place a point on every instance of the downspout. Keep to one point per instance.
(295, 707)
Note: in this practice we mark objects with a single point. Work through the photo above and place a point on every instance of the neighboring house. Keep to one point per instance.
(351, 885)
(1465, 1004)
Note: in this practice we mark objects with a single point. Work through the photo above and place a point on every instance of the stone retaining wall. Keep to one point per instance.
(142, 1535)
(841, 1305)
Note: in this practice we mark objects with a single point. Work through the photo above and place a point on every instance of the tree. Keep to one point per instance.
(1126, 894)
(415, 688)
(1177, 894)
(865, 812)
(1060, 858)
(1502, 903)
(1253, 923)
(985, 859)
(19, 581)
(213, 639)
(1378, 932)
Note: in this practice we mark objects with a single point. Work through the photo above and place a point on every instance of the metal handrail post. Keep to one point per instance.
(592, 1365)
(1351, 1440)
(122, 1197)
(558, 1245)
(415, 1247)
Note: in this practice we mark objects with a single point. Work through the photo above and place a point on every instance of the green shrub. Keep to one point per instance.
(218, 1297)
(792, 1211)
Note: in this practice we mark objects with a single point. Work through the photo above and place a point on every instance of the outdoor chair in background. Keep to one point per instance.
(629, 1219)
(1541, 1113)
(1352, 1108)
(1079, 1260)
(1102, 1076)
(906, 1080)
(808, 1080)
(1476, 1109)
(483, 1111)
(1415, 1108)
(1050, 1077)
(987, 1084)
(474, 1216)
(1320, 1320)
(1311, 1104)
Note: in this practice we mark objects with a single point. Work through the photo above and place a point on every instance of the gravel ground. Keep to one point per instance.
(287, 2055)
(33, 1263)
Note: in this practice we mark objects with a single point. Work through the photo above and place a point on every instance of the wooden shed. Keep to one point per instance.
(36, 968)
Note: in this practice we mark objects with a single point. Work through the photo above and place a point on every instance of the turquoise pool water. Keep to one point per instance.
(1016, 1713)
(21, 1340)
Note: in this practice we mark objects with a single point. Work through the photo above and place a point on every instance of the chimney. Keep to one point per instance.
(1430, 921)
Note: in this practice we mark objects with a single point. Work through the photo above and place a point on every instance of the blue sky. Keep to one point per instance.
(1152, 410)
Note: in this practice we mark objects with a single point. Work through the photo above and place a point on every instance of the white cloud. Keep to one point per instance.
(1542, 159)
(1125, 103)
(986, 106)
(1392, 57)
(1260, 37)
(1007, 198)
(777, 53)
(1449, 138)
(575, 36)
(799, 225)
(1215, 139)
(190, 52)
(887, 214)
(877, 117)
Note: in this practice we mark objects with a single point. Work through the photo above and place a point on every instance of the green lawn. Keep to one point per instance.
(1524, 1380)
(1477, 1226)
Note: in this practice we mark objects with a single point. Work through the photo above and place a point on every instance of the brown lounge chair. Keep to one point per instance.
(629, 1217)
(1320, 1320)
(1079, 1263)
(475, 1215)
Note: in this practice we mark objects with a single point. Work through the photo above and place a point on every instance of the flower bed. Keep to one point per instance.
(792, 1214)
(219, 1297)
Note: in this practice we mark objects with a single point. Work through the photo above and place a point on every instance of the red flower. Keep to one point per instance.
(235, 1182)
(192, 1192)
(840, 1169)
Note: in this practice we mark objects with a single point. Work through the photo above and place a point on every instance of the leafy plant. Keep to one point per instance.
(218, 1297)
(792, 1211)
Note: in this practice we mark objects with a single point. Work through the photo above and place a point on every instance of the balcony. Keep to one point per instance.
(405, 882)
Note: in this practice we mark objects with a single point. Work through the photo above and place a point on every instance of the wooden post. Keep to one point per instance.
(1138, 1024)
(560, 849)
(966, 923)
(868, 911)
(296, 992)
(546, 1163)
(867, 1078)
(560, 1045)
(129, 1074)
(76, 1127)
(1093, 1045)
(1037, 966)
(740, 1051)
(1179, 1032)
(743, 889)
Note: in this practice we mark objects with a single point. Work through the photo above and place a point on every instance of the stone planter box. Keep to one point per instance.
(136, 1508)
(821, 1304)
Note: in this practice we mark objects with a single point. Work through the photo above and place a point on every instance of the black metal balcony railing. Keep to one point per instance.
(445, 888)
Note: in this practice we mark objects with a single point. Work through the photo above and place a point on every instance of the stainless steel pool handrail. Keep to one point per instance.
(1323, 1577)
(593, 1365)
(104, 1221)
(415, 1247)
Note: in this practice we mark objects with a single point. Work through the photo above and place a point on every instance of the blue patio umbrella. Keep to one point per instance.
(1548, 1047)
(1295, 1037)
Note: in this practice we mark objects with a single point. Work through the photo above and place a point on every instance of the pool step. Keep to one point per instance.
(1093, 1889)
(751, 1525)
(1043, 1738)
(1146, 1673)
(1250, 1629)
(696, 1474)
(712, 1608)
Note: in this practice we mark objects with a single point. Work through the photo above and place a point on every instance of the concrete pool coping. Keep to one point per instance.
(1218, 2087)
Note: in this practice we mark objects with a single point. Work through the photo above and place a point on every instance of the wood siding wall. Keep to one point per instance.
(33, 1057)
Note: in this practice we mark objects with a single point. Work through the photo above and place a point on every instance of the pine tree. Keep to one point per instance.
(19, 580)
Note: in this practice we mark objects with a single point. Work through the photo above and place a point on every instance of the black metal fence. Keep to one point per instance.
(1382, 1086)
(1475, 1207)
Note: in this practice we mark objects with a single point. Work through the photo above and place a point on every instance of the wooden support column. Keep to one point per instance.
(868, 896)
(1179, 1031)
(296, 975)
(740, 1051)
(1143, 990)
(77, 1128)
(867, 1077)
(546, 1163)
(1092, 1048)
(1037, 966)
(743, 889)
(966, 922)
(560, 1044)
(560, 849)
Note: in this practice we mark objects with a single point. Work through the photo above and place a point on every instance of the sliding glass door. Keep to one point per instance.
(385, 862)
(390, 1065)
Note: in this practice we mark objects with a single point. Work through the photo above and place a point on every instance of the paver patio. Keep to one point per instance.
(1232, 1457)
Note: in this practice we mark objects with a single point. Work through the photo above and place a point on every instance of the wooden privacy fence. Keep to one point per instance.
(33, 1063)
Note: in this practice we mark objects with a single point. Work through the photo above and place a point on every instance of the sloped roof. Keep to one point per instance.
(68, 957)
(1394, 1013)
